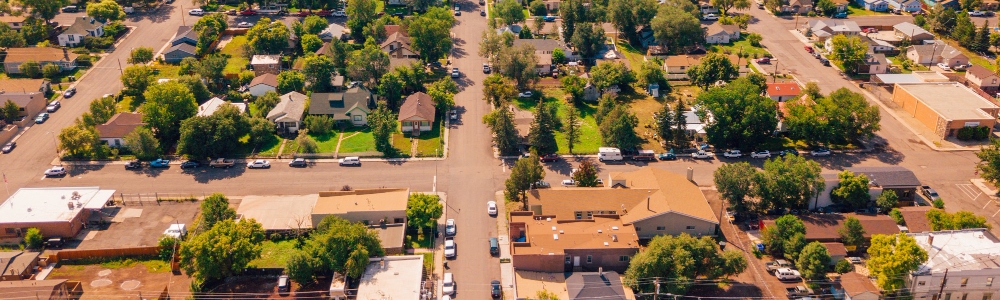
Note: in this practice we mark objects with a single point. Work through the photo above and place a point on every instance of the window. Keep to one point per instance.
(10, 230)
(987, 296)
(690, 228)
(965, 281)
(994, 80)
(397, 220)
(623, 258)
(569, 260)
(72, 38)
(357, 118)
(590, 259)
(590, 215)
(407, 124)
(989, 281)
(947, 296)
(638, 229)
(922, 283)
(661, 228)
(579, 215)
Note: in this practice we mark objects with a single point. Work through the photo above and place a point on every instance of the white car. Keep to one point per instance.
(176, 231)
(339, 13)
(55, 171)
(787, 274)
(491, 208)
(709, 17)
(944, 66)
(244, 25)
(449, 247)
(733, 154)
(196, 12)
(259, 164)
(525, 94)
(976, 13)
(449, 227)
(701, 154)
(568, 182)
(761, 154)
(350, 161)
(448, 284)
(820, 152)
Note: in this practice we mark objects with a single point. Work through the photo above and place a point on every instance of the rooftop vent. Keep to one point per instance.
(555, 236)
(561, 231)
(548, 219)
(553, 228)
(599, 231)
(614, 237)
(614, 227)
(606, 244)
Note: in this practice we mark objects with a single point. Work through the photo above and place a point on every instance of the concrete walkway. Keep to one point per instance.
(506, 268)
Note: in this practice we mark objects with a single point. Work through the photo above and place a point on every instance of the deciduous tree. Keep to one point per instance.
(261, 130)
(736, 183)
(892, 258)
(627, 15)
(222, 251)
(852, 190)
(790, 181)
(572, 12)
(141, 55)
(10, 111)
(166, 105)
(509, 11)
(852, 233)
(676, 28)
(359, 14)
(573, 85)
(318, 70)
(337, 245)
(501, 124)
(608, 74)
(291, 80)
(518, 63)
(784, 229)
(142, 143)
(78, 140)
(101, 110)
(9, 38)
(44, 9)
(431, 33)
(941, 220)
(383, 124)
(681, 258)
(713, 68)
(813, 261)
(498, 90)
(887, 200)
(267, 37)
(651, 73)
(586, 175)
(314, 24)
(423, 211)
(442, 92)
(106, 10)
(137, 79)
(310, 43)
(215, 208)
(31, 69)
(742, 117)
(526, 171)
(850, 51)
(368, 64)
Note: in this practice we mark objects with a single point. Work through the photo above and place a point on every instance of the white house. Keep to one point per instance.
(721, 34)
(287, 115)
(212, 105)
(83, 27)
(969, 258)
(113, 131)
(262, 84)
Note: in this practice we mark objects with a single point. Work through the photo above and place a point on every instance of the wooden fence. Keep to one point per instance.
(102, 253)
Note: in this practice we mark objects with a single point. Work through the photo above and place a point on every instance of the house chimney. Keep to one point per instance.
(690, 174)
(930, 240)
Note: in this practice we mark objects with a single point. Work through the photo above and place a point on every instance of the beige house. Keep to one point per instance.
(983, 78)
(43, 55)
(417, 113)
(938, 52)
(15, 22)
(544, 243)
(676, 66)
(858, 287)
(655, 201)
(797, 7)
(721, 34)
(397, 45)
(113, 131)
(383, 210)
(29, 104)
(287, 115)
(945, 107)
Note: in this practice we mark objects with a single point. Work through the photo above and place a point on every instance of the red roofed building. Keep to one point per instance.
(781, 91)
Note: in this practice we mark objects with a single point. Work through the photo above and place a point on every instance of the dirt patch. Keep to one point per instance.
(267, 288)
(127, 281)
(137, 226)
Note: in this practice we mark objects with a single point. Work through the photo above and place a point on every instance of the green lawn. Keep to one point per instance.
(635, 56)
(236, 61)
(856, 10)
(429, 143)
(741, 45)
(590, 136)
(401, 143)
(414, 240)
(274, 254)
(363, 141)
(327, 142)
(270, 147)
(167, 70)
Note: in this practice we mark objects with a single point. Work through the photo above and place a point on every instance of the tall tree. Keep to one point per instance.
(785, 228)
(526, 171)
(681, 137)
(368, 64)
(542, 135)
(736, 183)
(390, 87)
(964, 31)
(291, 80)
(573, 85)
(664, 120)
(712, 68)
(852, 233)
(852, 190)
(989, 162)
(101, 110)
(676, 28)
(319, 70)
(337, 245)
(44, 9)
(359, 14)
(981, 42)
(267, 37)
(137, 79)
(681, 258)
(813, 261)
(10, 111)
(214, 209)
(142, 143)
(850, 51)
(572, 12)
(78, 140)
(509, 11)
(742, 117)
(618, 128)
(850, 116)
(442, 92)
(35, 30)
(431, 33)
(892, 258)
(383, 124)
(423, 211)
(588, 38)
(586, 175)
(887, 200)
(651, 73)
(314, 24)
(501, 124)
(627, 15)
(498, 90)
(572, 127)
(224, 250)
(493, 43)
(608, 74)
(106, 11)
(9, 38)
(518, 63)
(166, 105)
(141, 55)
(790, 181)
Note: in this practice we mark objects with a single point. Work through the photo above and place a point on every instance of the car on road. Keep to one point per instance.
(784, 274)
(491, 208)
(550, 18)
(782, 153)
(821, 151)
(339, 14)
(248, 12)
(824, 61)
(764, 60)
(854, 260)
(196, 12)
(298, 162)
(495, 289)
(976, 13)
(761, 154)
(549, 157)
(70, 9)
(541, 184)
(494, 246)
(817, 55)
(8, 147)
(458, 11)
(840, 15)
(797, 292)
(53, 107)
(259, 164)
(701, 154)
(809, 49)
(449, 227)
(450, 251)
(324, 13)
(455, 73)
(41, 118)
(244, 25)
(772, 266)
(524, 94)
(69, 92)
(486, 68)
(453, 115)
(568, 182)
(944, 66)
(55, 171)
(732, 154)
(929, 192)
(302, 13)
(232, 12)
(190, 164)
(350, 161)
(133, 164)
(448, 284)
(708, 17)
(482, 12)
(159, 163)
(667, 156)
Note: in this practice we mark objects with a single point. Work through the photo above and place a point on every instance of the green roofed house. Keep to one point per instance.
(352, 105)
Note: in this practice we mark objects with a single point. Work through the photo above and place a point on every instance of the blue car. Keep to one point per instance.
(159, 163)
(550, 18)
(41, 118)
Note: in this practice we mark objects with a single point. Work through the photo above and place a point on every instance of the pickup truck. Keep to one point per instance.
(777, 264)
(929, 192)
(798, 291)
(222, 163)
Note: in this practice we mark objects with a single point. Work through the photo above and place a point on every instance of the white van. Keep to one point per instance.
(609, 154)
(350, 161)
(448, 284)
(784, 274)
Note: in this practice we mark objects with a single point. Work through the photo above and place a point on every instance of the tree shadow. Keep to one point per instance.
(159, 14)
(74, 170)
(207, 174)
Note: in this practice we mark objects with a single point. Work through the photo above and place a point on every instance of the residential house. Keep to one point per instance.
(694, 126)
(551, 5)
(25, 86)
(266, 64)
(396, 2)
(781, 91)
(417, 113)
(837, 252)
(824, 29)
(914, 33)
(935, 53)
(655, 201)
(29, 104)
(799, 7)
(706, 7)
(15, 22)
(676, 66)
(910, 6)
(545, 243)
(716, 33)
(825, 227)
(874, 63)
(855, 286)
(841, 5)
(262, 84)
(113, 131)
(81, 28)
(334, 31)
(212, 105)
(656, 51)
(178, 52)
(548, 46)
(990, 5)
(287, 115)
(185, 35)
(17, 265)
(606, 285)
(915, 218)
(983, 78)
(874, 45)
(646, 36)
(397, 45)
(944, 108)
(42, 55)
(351, 106)
(874, 5)
(382, 210)
(49, 211)
(968, 257)
(49, 289)
(900, 180)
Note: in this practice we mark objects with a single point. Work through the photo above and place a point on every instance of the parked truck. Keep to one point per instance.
(222, 163)
(644, 155)
(798, 292)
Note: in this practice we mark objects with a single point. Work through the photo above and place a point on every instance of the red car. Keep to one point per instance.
(303, 14)
(324, 13)
(809, 49)
(550, 158)
(248, 12)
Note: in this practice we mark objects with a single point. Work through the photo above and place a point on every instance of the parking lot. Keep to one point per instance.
(135, 225)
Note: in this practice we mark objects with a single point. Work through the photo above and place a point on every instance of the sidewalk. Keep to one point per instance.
(506, 268)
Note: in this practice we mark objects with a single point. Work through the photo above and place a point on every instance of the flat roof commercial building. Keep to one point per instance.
(945, 107)
(971, 259)
(56, 212)
(383, 210)
(545, 244)
(393, 277)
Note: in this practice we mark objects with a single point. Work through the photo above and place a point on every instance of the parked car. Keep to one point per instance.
(666, 156)
(976, 13)
(324, 13)
(8, 147)
(944, 66)
(55, 171)
(809, 49)
(840, 15)
(824, 61)
(303, 13)
(568, 182)
(870, 30)
(494, 246)
(159, 163)
(176, 230)
(448, 284)
(298, 162)
(283, 284)
(133, 164)
(486, 68)
(70, 9)
(764, 60)
(541, 184)
(821, 151)
(549, 18)
(701, 154)
(761, 154)
(453, 115)
(854, 260)
(525, 94)
(449, 227)
(222, 163)
(491, 208)
(784, 274)
(797, 292)
(733, 154)
(350, 161)
(455, 73)
(450, 251)
(259, 164)
(339, 14)
(232, 12)
(708, 17)
(196, 12)
(777, 264)
(782, 153)
(41, 118)
(644, 155)
(190, 164)
(929, 192)
(248, 12)
(549, 157)
(495, 289)
(53, 107)
(244, 25)
(69, 92)
(458, 11)
(54, 243)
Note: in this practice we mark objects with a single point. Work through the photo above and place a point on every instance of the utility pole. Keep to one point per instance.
(657, 294)
(943, 282)
(774, 76)
(120, 70)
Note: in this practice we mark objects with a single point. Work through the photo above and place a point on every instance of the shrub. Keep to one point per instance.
(897, 216)
(33, 238)
(84, 60)
(939, 204)
(91, 42)
(167, 247)
(319, 124)
(843, 266)
(973, 133)
(114, 29)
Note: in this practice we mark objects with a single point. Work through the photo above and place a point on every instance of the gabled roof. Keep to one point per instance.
(22, 99)
(938, 48)
(546, 45)
(855, 284)
(836, 249)
(39, 54)
(397, 37)
(120, 125)
(183, 47)
(290, 108)
(331, 32)
(83, 26)
(27, 289)
(826, 227)
(392, 29)
(876, 59)
(417, 105)
(185, 34)
(12, 19)
(916, 218)
(980, 72)
(717, 28)
(340, 104)
(21, 85)
(888, 176)
(911, 30)
(212, 105)
(834, 26)
(266, 78)
(783, 89)
(594, 285)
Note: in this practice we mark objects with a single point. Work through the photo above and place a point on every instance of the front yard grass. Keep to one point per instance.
(327, 142)
(270, 146)
(361, 141)
(741, 45)
(167, 70)
(643, 107)
(856, 10)
(590, 136)
(635, 56)
(274, 255)
(429, 143)
(401, 143)
(236, 61)
(415, 240)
